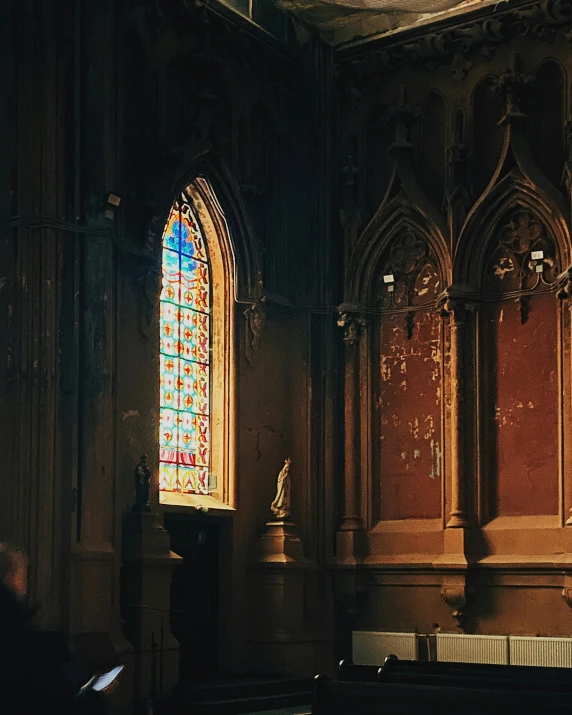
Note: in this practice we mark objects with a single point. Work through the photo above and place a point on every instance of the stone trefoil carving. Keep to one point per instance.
(398, 285)
(526, 254)
(281, 507)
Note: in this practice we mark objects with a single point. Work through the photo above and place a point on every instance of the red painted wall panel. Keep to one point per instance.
(524, 416)
(408, 417)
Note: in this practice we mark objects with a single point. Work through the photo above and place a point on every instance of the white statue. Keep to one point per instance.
(281, 504)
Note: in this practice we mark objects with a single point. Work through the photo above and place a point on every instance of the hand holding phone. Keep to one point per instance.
(104, 681)
(101, 683)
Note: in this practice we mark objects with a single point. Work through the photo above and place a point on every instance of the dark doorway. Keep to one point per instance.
(195, 594)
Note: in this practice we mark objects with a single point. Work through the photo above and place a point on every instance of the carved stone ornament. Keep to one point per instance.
(457, 595)
(400, 117)
(255, 321)
(458, 310)
(457, 46)
(521, 240)
(513, 86)
(408, 257)
(352, 323)
(142, 486)
(522, 236)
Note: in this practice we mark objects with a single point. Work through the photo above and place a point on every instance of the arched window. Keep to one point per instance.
(185, 327)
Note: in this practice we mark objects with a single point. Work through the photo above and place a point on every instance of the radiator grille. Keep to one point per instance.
(472, 649)
(554, 652)
(372, 647)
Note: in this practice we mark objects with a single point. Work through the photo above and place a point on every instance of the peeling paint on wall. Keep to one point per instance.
(409, 460)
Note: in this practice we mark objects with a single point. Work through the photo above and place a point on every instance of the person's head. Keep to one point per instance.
(13, 569)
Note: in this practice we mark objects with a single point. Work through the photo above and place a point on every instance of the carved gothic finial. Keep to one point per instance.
(350, 193)
(456, 200)
(513, 85)
(350, 171)
(400, 116)
(352, 322)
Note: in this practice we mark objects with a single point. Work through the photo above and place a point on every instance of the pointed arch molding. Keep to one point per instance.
(517, 184)
(242, 245)
(404, 207)
(395, 218)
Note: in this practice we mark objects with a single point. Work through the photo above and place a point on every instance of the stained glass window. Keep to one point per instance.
(184, 438)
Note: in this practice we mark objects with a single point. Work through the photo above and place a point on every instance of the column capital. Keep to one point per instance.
(565, 285)
(352, 320)
(457, 303)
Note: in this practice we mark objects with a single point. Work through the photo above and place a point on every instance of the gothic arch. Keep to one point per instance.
(513, 193)
(241, 241)
(517, 183)
(391, 222)
(234, 277)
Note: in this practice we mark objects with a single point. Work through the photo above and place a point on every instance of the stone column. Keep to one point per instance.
(352, 523)
(457, 310)
(565, 295)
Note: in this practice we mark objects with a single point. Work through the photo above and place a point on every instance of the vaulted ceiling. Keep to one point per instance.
(339, 21)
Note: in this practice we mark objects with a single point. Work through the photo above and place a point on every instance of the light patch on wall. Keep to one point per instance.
(130, 413)
(435, 472)
(430, 429)
(504, 266)
(414, 428)
(2, 282)
(385, 369)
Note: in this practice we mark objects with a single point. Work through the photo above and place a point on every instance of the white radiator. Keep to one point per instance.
(472, 649)
(554, 652)
(372, 647)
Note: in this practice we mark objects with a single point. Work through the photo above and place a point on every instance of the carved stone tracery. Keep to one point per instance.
(458, 46)
(512, 267)
(520, 237)
(408, 257)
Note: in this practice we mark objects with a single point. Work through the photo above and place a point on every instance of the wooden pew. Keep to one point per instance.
(393, 664)
(344, 697)
(466, 674)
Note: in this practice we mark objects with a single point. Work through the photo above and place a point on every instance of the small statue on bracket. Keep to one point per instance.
(142, 479)
(281, 504)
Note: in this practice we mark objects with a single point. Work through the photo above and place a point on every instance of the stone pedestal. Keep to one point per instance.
(148, 563)
(283, 639)
(280, 544)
